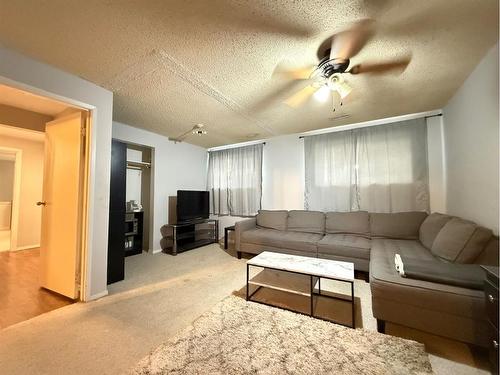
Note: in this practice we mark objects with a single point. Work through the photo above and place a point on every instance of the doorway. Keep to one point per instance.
(7, 171)
(43, 158)
(131, 206)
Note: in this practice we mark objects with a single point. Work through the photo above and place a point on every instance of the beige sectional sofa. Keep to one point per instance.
(370, 241)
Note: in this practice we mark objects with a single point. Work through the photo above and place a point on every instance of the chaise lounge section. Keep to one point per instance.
(370, 241)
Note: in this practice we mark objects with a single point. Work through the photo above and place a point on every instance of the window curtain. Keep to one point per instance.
(235, 180)
(381, 168)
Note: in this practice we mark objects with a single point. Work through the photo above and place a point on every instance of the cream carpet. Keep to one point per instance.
(161, 296)
(239, 337)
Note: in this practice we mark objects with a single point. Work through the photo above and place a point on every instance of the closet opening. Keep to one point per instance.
(131, 206)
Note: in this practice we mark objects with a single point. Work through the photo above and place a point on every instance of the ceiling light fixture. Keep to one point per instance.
(322, 94)
(197, 129)
(336, 82)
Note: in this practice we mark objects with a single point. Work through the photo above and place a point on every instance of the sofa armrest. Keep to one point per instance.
(242, 226)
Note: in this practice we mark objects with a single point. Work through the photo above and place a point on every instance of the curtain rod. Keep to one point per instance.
(236, 145)
(438, 115)
(332, 131)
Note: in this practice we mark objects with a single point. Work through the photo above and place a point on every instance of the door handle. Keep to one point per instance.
(42, 203)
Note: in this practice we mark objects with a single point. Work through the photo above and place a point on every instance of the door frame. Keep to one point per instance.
(87, 201)
(16, 194)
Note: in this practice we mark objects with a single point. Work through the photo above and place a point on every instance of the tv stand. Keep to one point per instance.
(187, 235)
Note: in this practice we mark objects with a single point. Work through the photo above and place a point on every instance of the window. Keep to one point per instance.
(235, 180)
(379, 169)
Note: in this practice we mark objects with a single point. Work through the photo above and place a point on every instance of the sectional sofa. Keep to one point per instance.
(370, 241)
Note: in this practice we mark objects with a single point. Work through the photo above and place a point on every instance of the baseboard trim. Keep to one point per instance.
(26, 247)
(104, 293)
(156, 251)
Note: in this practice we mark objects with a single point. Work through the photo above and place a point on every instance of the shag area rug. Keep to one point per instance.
(239, 337)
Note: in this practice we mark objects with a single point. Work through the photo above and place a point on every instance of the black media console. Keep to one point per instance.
(187, 235)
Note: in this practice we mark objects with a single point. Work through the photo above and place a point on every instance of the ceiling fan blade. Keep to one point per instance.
(396, 67)
(277, 93)
(348, 43)
(282, 71)
(300, 97)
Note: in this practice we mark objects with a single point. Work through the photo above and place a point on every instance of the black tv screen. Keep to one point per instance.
(192, 205)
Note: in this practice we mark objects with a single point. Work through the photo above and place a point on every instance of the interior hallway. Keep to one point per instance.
(161, 295)
(21, 297)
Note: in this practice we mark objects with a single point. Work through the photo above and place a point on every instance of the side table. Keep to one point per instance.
(226, 230)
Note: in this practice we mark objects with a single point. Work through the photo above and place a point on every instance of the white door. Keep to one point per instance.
(62, 196)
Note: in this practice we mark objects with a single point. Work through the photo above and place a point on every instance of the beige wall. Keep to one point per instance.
(31, 189)
(13, 116)
(471, 142)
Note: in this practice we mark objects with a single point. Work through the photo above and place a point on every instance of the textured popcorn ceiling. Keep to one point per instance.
(172, 64)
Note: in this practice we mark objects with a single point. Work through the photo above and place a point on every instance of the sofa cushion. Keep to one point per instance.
(306, 221)
(305, 242)
(348, 222)
(345, 245)
(272, 219)
(452, 238)
(475, 246)
(387, 285)
(490, 254)
(301, 241)
(399, 225)
(460, 241)
(431, 227)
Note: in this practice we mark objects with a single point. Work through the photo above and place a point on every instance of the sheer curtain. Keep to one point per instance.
(330, 172)
(383, 168)
(235, 180)
(392, 167)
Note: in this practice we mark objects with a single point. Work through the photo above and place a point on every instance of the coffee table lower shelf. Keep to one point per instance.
(295, 283)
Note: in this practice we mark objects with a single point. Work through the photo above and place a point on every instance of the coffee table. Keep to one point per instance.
(303, 277)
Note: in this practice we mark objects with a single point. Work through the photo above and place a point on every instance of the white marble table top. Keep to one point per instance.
(311, 266)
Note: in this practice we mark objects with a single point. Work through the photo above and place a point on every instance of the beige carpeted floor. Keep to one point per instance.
(161, 296)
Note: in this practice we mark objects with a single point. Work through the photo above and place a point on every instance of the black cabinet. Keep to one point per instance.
(491, 307)
(116, 234)
(118, 181)
(179, 237)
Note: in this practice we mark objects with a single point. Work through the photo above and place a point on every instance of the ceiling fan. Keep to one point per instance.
(334, 55)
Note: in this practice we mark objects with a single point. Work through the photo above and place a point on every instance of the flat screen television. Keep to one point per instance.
(192, 205)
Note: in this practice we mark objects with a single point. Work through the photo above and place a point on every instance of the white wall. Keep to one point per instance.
(30, 215)
(134, 178)
(471, 134)
(24, 73)
(176, 166)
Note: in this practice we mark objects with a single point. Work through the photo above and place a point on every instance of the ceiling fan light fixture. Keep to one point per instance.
(336, 82)
(322, 94)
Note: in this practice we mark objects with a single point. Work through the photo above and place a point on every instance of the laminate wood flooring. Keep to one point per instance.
(21, 297)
